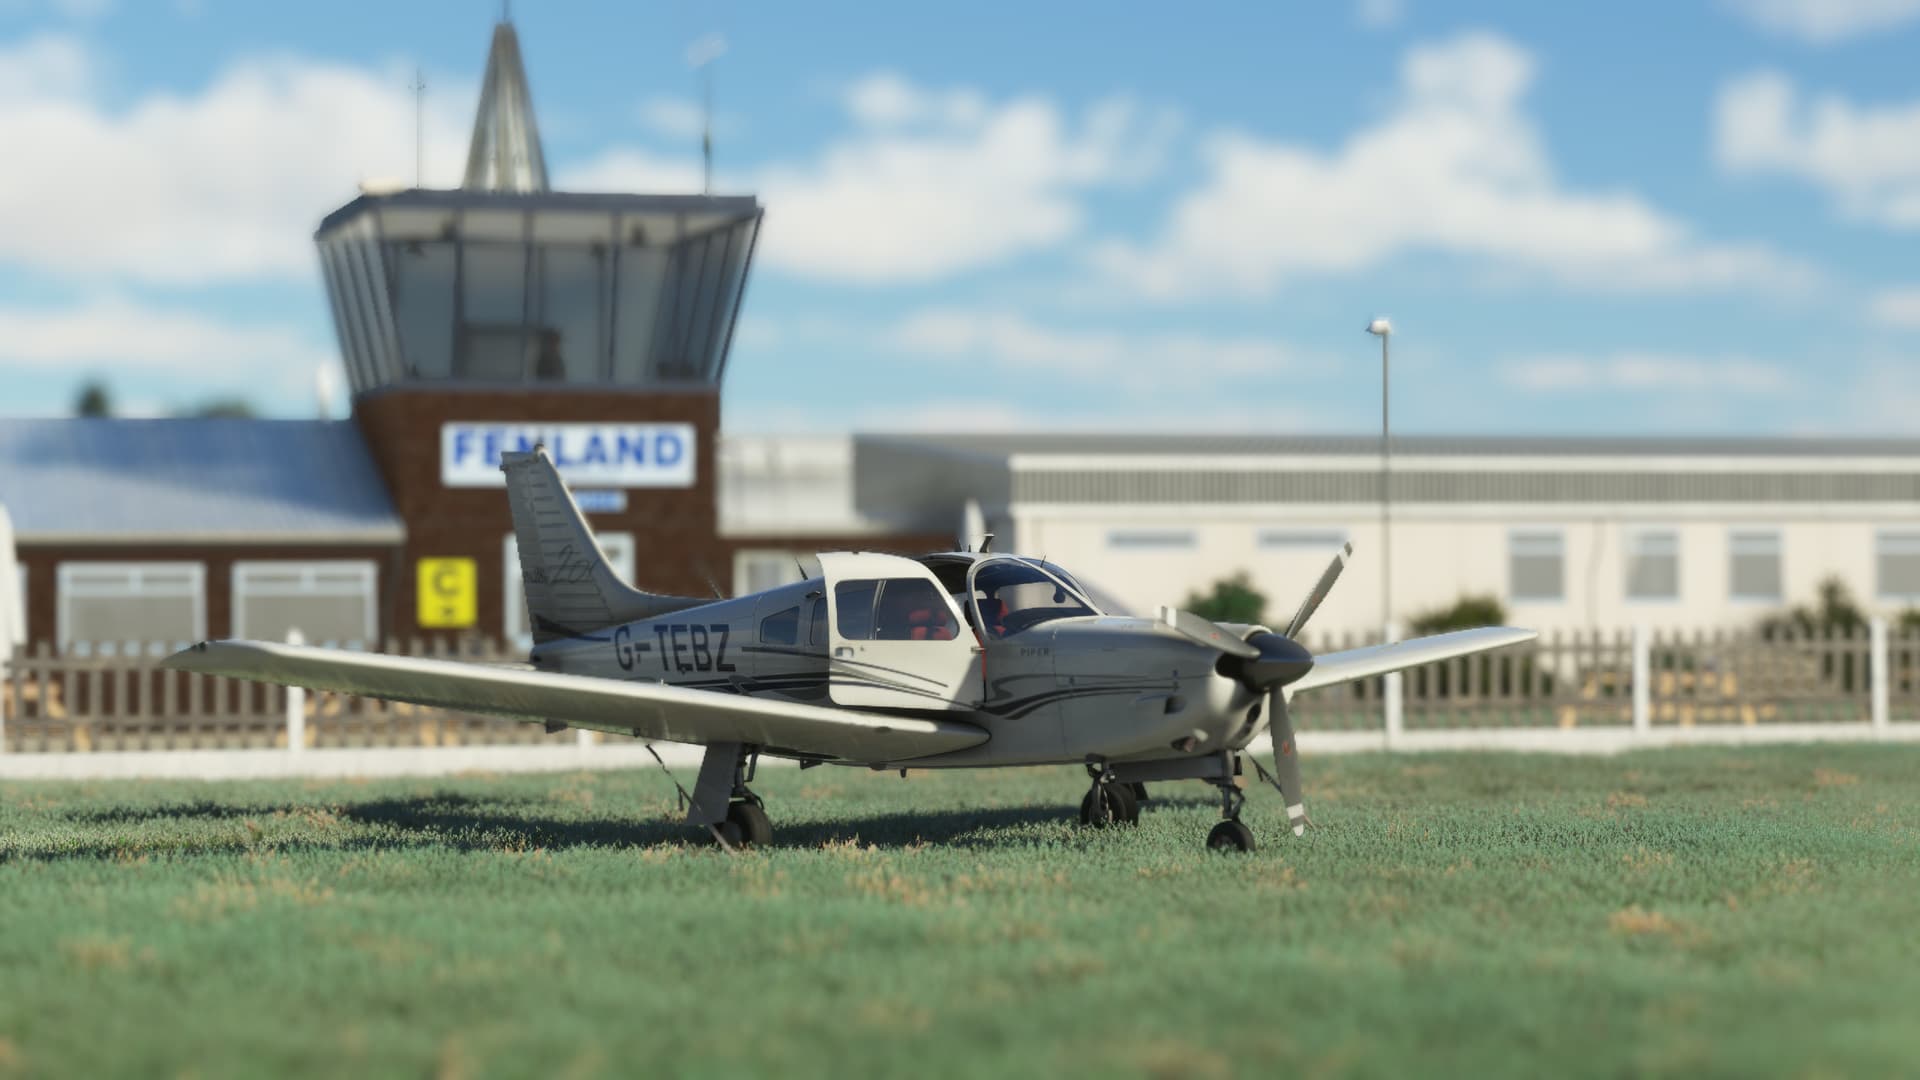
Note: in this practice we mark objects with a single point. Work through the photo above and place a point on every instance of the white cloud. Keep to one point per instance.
(1455, 167)
(629, 169)
(1637, 372)
(1821, 22)
(1131, 361)
(222, 183)
(1897, 307)
(681, 118)
(1379, 14)
(119, 335)
(932, 183)
(928, 183)
(1866, 158)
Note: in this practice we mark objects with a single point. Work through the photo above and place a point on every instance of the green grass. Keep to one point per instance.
(1684, 912)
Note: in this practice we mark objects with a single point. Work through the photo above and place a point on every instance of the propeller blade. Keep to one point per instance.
(1320, 590)
(1206, 632)
(1286, 761)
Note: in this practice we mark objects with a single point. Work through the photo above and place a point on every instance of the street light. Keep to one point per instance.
(1383, 329)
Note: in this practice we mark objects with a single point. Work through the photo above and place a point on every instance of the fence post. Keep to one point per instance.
(582, 738)
(1642, 681)
(1391, 700)
(1880, 671)
(296, 704)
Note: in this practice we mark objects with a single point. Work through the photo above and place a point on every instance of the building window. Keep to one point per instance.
(331, 602)
(1754, 565)
(758, 571)
(619, 550)
(1300, 539)
(1653, 565)
(1536, 566)
(110, 607)
(1897, 566)
(1150, 539)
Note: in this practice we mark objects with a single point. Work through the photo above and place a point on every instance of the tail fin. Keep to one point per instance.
(570, 588)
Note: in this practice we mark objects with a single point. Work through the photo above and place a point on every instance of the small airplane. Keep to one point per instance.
(960, 659)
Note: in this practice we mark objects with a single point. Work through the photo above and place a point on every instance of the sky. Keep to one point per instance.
(1695, 218)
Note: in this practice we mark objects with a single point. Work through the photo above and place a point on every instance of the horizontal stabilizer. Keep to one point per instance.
(642, 709)
(1331, 668)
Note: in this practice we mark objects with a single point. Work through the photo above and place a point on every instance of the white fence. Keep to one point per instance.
(1592, 692)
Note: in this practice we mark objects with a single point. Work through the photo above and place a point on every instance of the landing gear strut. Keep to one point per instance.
(723, 802)
(1231, 834)
(1109, 802)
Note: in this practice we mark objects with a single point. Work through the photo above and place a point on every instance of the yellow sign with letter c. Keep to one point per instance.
(448, 593)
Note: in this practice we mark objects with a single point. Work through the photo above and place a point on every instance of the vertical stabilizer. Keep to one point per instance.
(571, 589)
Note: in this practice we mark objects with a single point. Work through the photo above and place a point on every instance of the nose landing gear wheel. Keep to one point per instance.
(746, 819)
(1230, 836)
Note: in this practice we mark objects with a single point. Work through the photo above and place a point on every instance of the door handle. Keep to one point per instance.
(844, 652)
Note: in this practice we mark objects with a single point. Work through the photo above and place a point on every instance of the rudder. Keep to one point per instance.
(570, 587)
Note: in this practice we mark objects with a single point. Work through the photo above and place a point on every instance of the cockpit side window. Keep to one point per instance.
(896, 609)
(912, 609)
(853, 608)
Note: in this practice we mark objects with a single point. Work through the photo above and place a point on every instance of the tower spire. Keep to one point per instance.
(505, 153)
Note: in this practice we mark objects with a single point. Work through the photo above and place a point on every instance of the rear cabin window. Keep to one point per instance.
(781, 627)
(897, 609)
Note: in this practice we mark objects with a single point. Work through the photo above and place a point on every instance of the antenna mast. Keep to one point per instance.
(701, 55)
(419, 89)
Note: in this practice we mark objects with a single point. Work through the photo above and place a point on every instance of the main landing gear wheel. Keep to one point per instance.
(1109, 804)
(747, 824)
(1230, 836)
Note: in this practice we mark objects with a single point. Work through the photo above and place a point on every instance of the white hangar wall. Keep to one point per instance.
(1146, 556)
(1569, 533)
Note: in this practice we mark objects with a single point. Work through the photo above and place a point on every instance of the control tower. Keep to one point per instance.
(503, 312)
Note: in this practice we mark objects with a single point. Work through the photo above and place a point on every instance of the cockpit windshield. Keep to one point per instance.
(1014, 595)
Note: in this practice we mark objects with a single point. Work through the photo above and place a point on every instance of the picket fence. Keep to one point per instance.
(1597, 689)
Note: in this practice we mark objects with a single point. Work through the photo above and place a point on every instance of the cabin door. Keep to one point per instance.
(895, 639)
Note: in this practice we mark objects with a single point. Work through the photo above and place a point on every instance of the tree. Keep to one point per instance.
(1232, 599)
(1464, 614)
(93, 401)
(1836, 614)
(223, 409)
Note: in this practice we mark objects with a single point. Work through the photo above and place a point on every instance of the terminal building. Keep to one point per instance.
(501, 313)
(470, 321)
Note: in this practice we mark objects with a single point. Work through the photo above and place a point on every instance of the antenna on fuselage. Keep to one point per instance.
(986, 542)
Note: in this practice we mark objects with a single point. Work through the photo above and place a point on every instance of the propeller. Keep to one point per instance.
(1278, 661)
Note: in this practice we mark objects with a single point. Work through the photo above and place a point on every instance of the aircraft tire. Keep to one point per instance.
(751, 822)
(728, 831)
(1106, 806)
(1230, 836)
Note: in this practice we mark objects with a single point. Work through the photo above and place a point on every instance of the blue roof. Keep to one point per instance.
(193, 480)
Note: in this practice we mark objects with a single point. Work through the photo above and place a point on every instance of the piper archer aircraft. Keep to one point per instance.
(965, 659)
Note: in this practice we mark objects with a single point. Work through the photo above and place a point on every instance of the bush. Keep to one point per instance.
(1232, 599)
(1466, 613)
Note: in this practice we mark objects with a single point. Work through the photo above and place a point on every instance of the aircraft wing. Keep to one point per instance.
(1331, 668)
(644, 710)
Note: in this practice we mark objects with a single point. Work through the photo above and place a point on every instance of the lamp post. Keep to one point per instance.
(1383, 329)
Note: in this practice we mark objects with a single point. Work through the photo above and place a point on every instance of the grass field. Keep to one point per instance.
(1686, 911)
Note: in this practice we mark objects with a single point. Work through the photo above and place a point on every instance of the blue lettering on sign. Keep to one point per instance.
(607, 455)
